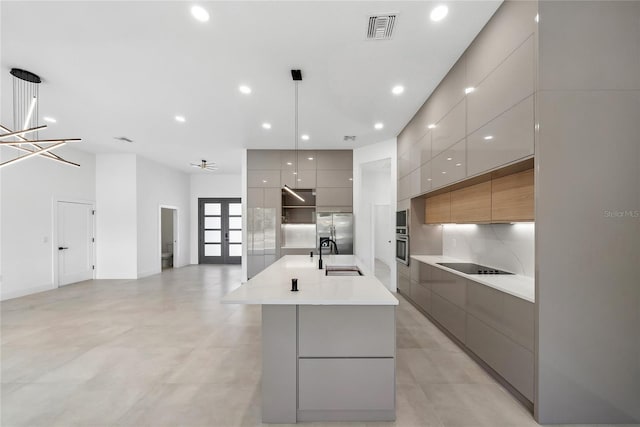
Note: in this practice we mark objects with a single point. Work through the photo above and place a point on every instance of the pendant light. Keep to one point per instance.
(25, 119)
(297, 78)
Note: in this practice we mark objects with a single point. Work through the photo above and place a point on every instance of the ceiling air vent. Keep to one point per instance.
(381, 27)
(122, 138)
(349, 137)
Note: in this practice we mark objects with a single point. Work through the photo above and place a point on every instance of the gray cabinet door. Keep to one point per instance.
(334, 197)
(404, 284)
(263, 159)
(421, 296)
(449, 286)
(346, 384)
(449, 315)
(335, 159)
(346, 331)
(335, 178)
(512, 361)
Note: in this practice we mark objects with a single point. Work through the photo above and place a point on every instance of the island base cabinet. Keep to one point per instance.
(346, 389)
(512, 361)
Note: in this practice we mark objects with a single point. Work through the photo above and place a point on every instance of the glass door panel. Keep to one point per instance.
(220, 231)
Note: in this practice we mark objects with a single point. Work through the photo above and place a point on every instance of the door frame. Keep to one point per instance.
(176, 235)
(55, 274)
(222, 200)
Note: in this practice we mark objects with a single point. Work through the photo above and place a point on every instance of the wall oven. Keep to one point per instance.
(402, 236)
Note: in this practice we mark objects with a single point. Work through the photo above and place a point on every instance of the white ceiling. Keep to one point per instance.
(127, 68)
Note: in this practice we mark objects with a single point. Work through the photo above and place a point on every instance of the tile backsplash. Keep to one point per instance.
(508, 247)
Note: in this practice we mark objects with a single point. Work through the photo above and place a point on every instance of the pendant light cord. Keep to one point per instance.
(296, 135)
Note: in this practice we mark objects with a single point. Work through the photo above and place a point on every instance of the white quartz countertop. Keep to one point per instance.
(516, 284)
(273, 284)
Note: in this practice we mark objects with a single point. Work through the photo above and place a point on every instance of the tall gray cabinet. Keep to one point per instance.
(328, 172)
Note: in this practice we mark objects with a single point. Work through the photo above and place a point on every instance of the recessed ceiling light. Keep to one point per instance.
(180, 119)
(266, 125)
(200, 13)
(309, 158)
(397, 90)
(49, 119)
(305, 137)
(244, 89)
(431, 126)
(488, 137)
(438, 13)
(378, 126)
(469, 90)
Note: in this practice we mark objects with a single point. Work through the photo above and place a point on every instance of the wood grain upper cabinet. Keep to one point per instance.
(472, 204)
(438, 209)
(512, 197)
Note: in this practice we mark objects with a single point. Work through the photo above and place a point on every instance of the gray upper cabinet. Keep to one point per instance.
(506, 139)
(303, 178)
(263, 159)
(263, 178)
(511, 25)
(449, 166)
(335, 178)
(334, 197)
(307, 160)
(335, 159)
(505, 87)
(448, 94)
(450, 129)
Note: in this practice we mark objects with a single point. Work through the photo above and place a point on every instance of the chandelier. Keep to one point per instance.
(24, 137)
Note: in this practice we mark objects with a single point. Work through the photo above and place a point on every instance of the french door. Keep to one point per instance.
(219, 231)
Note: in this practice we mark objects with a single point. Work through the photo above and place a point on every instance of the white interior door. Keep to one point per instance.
(75, 242)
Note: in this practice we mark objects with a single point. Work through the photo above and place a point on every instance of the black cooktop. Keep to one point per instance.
(471, 268)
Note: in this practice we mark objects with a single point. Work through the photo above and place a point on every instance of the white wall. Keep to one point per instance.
(29, 190)
(509, 247)
(116, 210)
(158, 185)
(203, 185)
(364, 195)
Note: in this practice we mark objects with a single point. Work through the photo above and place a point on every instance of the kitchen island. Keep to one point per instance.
(328, 350)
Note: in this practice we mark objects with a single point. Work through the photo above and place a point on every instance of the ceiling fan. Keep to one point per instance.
(204, 165)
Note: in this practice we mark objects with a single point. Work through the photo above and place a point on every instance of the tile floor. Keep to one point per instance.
(163, 351)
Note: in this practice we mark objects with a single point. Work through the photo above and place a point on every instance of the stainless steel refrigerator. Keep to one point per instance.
(339, 228)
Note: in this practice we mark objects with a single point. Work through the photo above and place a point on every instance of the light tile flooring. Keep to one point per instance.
(163, 351)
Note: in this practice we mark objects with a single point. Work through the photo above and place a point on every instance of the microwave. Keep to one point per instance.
(402, 219)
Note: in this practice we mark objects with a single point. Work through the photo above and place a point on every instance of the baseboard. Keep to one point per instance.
(149, 273)
(24, 292)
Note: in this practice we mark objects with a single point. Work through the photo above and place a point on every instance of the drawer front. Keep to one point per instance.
(346, 384)
(512, 361)
(452, 317)
(346, 331)
(404, 284)
(421, 296)
(450, 286)
(509, 315)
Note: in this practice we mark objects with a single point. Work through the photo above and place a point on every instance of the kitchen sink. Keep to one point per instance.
(343, 270)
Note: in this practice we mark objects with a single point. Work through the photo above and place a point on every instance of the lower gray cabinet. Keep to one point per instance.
(512, 361)
(421, 295)
(449, 315)
(404, 284)
(346, 384)
(346, 331)
(449, 286)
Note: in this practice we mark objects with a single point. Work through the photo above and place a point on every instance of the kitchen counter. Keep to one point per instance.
(273, 285)
(328, 350)
(517, 285)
